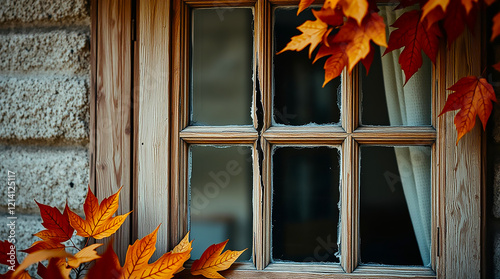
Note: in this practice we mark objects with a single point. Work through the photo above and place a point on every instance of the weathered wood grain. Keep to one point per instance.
(113, 109)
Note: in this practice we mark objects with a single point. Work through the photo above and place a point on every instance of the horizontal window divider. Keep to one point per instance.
(403, 271)
(302, 267)
(395, 135)
(304, 135)
(219, 3)
(210, 134)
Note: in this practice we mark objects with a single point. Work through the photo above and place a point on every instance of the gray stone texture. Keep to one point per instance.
(61, 51)
(51, 175)
(45, 108)
(496, 256)
(43, 10)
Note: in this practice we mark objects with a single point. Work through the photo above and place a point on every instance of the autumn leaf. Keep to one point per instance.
(303, 5)
(212, 261)
(312, 34)
(455, 20)
(414, 37)
(85, 255)
(358, 37)
(58, 228)
(473, 97)
(433, 4)
(8, 257)
(496, 27)
(108, 266)
(39, 256)
(52, 271)
(355, 9)
(333, 17)
(336, 62)
(136, 261)
(44, 245)
(496, 66)
(98, 222)
(183, 246)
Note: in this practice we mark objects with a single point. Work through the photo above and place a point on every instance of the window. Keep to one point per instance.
(272, 160)
(269, 146)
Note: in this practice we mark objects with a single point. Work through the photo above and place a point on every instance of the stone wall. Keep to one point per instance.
(44, 107)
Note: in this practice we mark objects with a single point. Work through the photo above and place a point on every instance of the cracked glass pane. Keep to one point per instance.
(299, 98)
(395, 205)
(221, 66)
(305, 213)
(220, 180)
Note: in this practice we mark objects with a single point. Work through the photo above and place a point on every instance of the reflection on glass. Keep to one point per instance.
(387, 100)
(220, 181)
(299, 98)
(395, 205)
(305, 213)
(221, 66)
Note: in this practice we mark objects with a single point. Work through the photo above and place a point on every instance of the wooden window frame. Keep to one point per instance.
(138, 70)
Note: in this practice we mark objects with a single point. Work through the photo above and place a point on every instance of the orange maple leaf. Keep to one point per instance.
(473, 97)
(44, 245)
(98, 222)
(312, 34)
(356, 9)
(212, 261)
(303, 5)
(136, 261)
(85, 255)
(39, 256)
(496, 66)
(358, 37)
(414, 37)
(58, 228)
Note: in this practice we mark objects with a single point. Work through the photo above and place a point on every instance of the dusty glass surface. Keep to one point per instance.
(220, 207)
(221, 66)
(395, 205)
(305, 213)
(299, 98)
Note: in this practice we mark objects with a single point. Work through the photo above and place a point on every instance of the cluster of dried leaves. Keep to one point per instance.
(98, 224)
(346, 31)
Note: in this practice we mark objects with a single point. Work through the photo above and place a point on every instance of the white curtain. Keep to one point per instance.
(410, 106)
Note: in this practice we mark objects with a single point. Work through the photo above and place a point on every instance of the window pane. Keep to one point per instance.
(221, 197)
(386, 99)
(299, 98)
(395, 206)
(221, 66)
(305, 213)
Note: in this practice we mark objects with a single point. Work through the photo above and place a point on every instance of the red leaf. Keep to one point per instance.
(58, 228)
(336, 62)
(367, 61)
(455, 19)
(6, 248)
(333, 17)
(473, 97)
(107, 266)
(496, 66)
(414, 37)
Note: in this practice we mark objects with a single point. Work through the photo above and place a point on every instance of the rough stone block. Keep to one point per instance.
(26, 226)
(496, 256)
(49, 109)
(54, 52)
(43, 10)
(51, 175)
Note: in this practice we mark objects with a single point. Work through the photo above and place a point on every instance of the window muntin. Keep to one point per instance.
(264, 137)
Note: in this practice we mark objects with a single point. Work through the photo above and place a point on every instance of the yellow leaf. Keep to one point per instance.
(355, 9)
(165, 266)
(39, 256)
(85, 255)
(432, 4)
(212, 261)
(312, 34)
